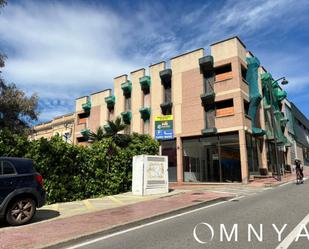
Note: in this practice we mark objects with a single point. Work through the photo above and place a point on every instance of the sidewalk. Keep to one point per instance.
(42, 234)
(62, 222)
(67, 209)
(256, 183)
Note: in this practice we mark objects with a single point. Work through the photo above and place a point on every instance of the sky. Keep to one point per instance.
(62, 50)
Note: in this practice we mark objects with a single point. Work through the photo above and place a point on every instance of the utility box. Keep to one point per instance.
(149, 175)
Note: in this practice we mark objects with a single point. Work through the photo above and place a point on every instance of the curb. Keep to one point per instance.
(278, 184)
(117, 228)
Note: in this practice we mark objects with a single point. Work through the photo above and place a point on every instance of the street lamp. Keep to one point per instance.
(283, 82)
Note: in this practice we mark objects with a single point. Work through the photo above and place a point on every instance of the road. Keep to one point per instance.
(288, 204)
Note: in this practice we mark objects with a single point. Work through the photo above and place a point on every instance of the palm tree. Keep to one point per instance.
(98, 135)
(114, 127)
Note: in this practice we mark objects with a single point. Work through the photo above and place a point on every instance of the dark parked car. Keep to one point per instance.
(21, 190)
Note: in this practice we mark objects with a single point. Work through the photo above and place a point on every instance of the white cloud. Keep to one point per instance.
(60, 45)
(63, 50)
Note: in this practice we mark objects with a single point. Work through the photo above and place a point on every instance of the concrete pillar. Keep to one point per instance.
(243, 157)
(263, 151)
(179, 160)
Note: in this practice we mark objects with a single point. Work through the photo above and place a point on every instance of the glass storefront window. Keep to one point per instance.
(252, 154)
(212, 159)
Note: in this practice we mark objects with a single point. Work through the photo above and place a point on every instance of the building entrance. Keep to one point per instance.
(212, 159)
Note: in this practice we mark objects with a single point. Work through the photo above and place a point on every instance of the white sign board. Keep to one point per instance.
(149, 175)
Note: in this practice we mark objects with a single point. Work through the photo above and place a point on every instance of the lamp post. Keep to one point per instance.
(269, 85)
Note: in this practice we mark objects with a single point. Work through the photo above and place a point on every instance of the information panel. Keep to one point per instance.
(164, 127)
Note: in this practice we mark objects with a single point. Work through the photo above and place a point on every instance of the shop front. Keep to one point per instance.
(212, 158)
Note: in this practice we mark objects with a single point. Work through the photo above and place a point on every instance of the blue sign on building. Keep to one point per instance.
(164, 127)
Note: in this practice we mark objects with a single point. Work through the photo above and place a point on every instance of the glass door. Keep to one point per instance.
(212, 169)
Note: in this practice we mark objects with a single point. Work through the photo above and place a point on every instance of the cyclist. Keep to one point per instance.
(299, 171)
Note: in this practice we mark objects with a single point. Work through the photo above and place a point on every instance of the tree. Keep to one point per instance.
(2, 3)
(2, 56)
(111, 130)
(17, 110)
(98, 135)
(114, 127)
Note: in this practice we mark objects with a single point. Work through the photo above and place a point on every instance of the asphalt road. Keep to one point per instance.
(288, 204)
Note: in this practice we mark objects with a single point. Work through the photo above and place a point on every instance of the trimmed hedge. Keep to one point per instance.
(73, 172)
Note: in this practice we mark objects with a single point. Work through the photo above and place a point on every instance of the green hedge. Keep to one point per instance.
(73, 172)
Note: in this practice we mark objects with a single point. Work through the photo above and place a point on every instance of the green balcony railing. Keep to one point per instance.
(110, 101)
(208, 98)
(107, 128)
(126, 88)
(87, 106)
(145, 83)
(207, 63)
(85, 132)
(145, 113)
(166, 108)
(166, 77)
(126, 117)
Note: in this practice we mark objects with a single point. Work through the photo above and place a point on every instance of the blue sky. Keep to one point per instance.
(66, 49)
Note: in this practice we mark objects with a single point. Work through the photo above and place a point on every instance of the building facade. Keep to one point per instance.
(62, 126)
(225, 114)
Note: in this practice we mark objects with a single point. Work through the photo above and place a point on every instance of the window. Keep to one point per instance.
(223, 69)
(146, 100)
(223, 72)
(246, 107)
(252, 153)
(146, 127)
(168, 95)
(224, 108)
(7, 168)
(127, 104)
(243, 72)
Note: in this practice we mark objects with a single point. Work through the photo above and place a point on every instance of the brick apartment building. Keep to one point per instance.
(224, 111)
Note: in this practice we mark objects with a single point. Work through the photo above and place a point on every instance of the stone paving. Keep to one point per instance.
(68, 209)
(42, 234)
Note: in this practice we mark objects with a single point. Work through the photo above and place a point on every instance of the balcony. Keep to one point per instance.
(145, 84)
(207, 63)
(209, 131)
(166, 108)
(208, 98)
(87, 106)
(126, 117)
(283, 122)
(166, 77)
(107, 128)
(145, 113)
(110, 101)
(126, 88)
(85, 132)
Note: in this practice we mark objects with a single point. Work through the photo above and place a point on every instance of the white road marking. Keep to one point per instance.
(292, 235)
(148, 224)
(285, 184)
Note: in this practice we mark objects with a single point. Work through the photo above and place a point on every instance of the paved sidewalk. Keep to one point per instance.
(67, 209)
(38, 235)
(255, 184)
